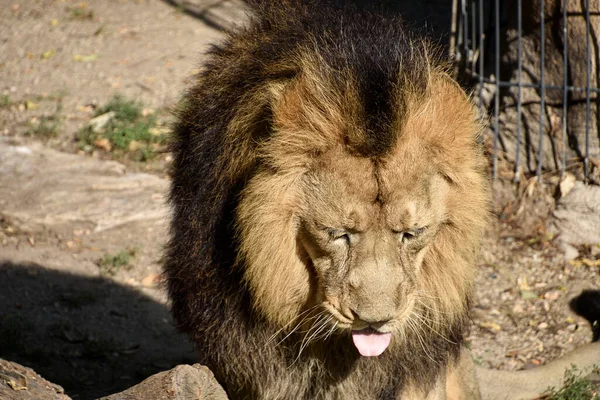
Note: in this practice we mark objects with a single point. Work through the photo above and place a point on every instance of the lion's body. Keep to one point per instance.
(328, 188)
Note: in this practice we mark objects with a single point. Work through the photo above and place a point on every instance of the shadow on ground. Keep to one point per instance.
(89, 335)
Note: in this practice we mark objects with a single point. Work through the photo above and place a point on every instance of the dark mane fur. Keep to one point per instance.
(209, 300)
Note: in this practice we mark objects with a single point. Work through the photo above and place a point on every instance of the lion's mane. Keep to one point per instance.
(235, 276)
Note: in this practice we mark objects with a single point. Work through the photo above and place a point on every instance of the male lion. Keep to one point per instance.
(329, 198)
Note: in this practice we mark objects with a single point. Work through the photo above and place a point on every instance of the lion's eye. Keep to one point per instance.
(405, 236)
(338, 235)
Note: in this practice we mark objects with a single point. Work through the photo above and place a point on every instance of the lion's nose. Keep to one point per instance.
(371, 316)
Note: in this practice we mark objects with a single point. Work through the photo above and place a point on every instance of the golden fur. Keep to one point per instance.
(325, 184)
(309, 136)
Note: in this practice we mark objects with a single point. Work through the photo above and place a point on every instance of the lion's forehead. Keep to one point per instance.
(365, 194)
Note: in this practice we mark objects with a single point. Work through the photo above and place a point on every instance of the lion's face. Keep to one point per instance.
(366, 232)
(383, 246)
(366, 228)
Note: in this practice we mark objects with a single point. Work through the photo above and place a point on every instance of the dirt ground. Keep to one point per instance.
(62, 209)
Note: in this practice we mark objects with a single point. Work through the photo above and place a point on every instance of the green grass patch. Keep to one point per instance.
(575, 387)
(45, 127)
(80, 13)
(110, 264)
(5, 101)
(128, 132)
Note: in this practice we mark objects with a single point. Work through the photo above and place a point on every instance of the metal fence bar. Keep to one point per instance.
(465, 29)
(474, 53)
(586, 161)
(542, 90)
(473, 34)
(481, 55)
(520, 89)
(565, 92)
(497, 96)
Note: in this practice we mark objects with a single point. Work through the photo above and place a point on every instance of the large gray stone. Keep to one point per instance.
(21, 383)
(42, 186)
(184, 382)
(577, 216)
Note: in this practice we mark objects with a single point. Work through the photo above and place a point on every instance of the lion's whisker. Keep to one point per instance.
(433, 310)
(320, 324)
(428, 325)
(326, 333)
(333, 328)
(298, 320)
(415, 328)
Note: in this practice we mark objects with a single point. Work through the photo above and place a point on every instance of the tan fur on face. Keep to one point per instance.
(434, 169)
(439, 141)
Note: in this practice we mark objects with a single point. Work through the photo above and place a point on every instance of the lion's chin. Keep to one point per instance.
(371, 343)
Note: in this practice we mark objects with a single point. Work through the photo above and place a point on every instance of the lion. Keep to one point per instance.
(329, 196)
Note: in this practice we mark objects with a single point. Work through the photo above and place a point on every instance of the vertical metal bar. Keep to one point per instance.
(497, 97)
(565, 91)
(473, 36)
(453, 31)
(588, 69)
(465, 28)
(459, 30)
(481, 57)
(520, 89)
(542, 90)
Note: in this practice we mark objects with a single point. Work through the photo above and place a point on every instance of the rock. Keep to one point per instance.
(567, 184)
(577, 218)
(184, 382)
(134, 145)
(21, 383)
(543, 325)
(44, 187)
(103, 143)
(151, 280)
(570, 252)
(99, 123)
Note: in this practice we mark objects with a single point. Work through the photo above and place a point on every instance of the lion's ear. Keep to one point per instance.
(453, 105)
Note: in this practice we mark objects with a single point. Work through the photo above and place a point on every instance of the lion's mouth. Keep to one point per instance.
(371, 343)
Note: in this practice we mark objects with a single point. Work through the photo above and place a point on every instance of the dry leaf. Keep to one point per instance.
(157, 131)
(151, 280)
(522, 281)
(491, 326)
(567, 184)
(30, 105)
(552, 295)
(528, 294)
(48, 54)
(135, 145)
(103, 143)
(147, 111)
(585, 261)
(85, 58)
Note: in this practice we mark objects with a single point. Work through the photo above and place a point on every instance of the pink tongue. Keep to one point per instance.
(371, 344)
